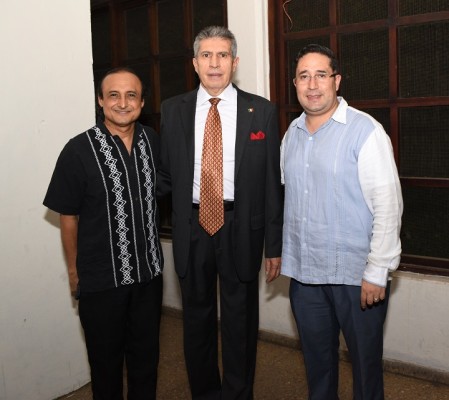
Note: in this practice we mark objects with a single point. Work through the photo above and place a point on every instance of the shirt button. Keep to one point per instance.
(307, 165)
(306, 191)
(304, 219)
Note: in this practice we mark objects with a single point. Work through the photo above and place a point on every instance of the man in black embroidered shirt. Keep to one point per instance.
(103, 186)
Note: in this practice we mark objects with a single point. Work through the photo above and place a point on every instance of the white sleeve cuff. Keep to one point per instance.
(376, 275)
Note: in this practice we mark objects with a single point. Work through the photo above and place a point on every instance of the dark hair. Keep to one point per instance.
(325, 51)
(215, 32)
(116, 71)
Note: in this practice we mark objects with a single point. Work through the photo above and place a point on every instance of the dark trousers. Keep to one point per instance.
(212, 257)
(321, 311)
(122, 324)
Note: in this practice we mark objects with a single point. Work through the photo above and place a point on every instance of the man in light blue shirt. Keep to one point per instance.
(342, 220)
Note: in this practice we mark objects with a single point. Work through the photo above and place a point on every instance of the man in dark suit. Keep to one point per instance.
(251, 199)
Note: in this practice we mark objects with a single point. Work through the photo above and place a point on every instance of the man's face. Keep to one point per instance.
(214, 64)
(122, 100)
(315, 87)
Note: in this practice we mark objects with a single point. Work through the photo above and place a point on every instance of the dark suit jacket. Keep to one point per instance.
(257, 186)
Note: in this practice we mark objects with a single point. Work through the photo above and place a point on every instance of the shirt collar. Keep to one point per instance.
(138, 129)
(227, 95)
(339, 114)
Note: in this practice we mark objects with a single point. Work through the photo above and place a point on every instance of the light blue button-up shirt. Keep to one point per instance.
(343, 201)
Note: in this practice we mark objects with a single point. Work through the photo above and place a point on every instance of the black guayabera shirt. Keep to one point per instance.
(113, 194)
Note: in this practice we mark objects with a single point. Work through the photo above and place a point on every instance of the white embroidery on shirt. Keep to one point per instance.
(149, 184)
(119, 203)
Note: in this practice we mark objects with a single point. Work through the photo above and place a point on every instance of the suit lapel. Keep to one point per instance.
(187, 116)
(245, 114)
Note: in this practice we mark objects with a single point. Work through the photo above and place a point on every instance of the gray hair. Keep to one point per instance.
(215, 32)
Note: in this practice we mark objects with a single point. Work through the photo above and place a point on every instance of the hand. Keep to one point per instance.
(73, 281)
(272, 268)
(371, 294)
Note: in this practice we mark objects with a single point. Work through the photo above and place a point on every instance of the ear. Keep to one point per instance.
(100, 101)
(337, 81)
(235, 63)
(195, 64)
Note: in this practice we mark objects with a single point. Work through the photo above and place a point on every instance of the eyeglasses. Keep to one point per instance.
(319, 78)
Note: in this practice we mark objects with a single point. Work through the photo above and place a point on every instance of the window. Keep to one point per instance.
(155, 38)
(395, 66)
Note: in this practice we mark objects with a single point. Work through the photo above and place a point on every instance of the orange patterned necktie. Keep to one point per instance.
(211, 215)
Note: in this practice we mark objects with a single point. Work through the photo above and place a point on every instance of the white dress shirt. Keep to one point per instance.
(227, 108)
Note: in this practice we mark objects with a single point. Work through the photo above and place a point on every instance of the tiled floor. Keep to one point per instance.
(279, 375)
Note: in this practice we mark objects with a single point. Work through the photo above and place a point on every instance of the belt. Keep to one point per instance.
(228, 205)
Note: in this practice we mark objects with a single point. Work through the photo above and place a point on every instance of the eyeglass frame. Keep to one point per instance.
(323, 78)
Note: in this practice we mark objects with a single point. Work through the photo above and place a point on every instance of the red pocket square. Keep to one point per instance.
(257, 136)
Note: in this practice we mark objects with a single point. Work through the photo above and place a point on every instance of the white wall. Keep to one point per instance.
(248, 21)
(47, 97)
(417, 327)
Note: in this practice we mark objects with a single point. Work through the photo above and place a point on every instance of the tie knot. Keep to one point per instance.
(214, 100)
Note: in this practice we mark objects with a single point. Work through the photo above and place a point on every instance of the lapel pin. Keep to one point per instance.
(250, 109)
